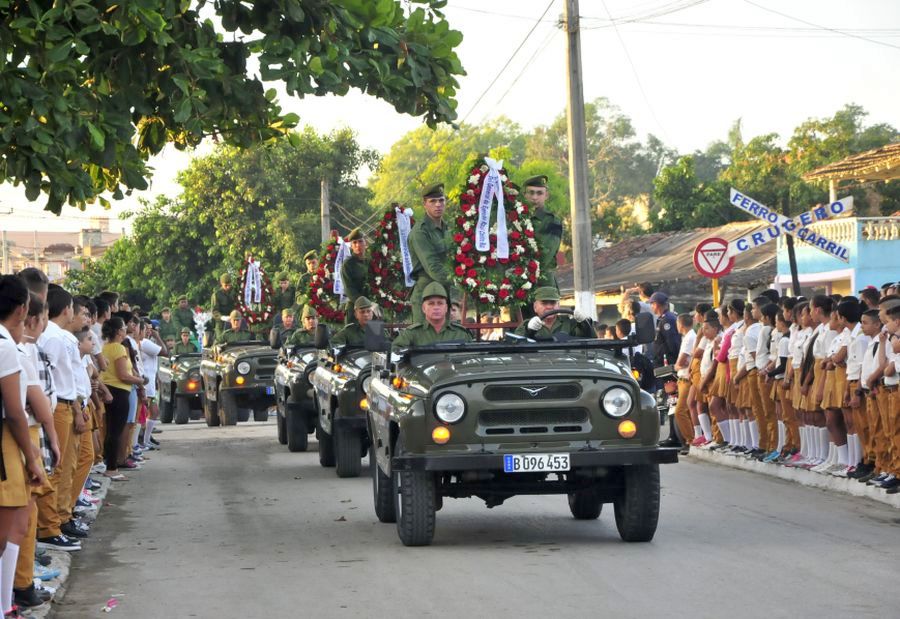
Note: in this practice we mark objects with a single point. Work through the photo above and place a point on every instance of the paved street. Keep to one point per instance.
(227, 523)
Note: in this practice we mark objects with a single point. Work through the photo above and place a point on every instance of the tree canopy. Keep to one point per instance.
(90, 89)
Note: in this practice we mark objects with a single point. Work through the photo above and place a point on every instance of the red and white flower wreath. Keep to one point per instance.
(264, 308)
(484, 276)
(386, 280)
(321, 286)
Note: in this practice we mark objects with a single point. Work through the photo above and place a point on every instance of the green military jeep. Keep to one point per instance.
(179, 388)
(339, 383)
(294, 398)
(237, 380)
(497, 419)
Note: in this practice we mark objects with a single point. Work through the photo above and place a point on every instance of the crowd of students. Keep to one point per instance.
(809, 383)
(78, 388)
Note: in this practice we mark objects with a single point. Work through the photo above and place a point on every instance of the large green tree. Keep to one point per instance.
(89, 89)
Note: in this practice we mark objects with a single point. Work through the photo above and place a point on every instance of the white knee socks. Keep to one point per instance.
(8, 575)
(705, 425)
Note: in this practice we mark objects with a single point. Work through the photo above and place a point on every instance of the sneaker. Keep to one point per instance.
(45, 573)
(93, 485)
(156, 431)
(99, 468)
(44, 559)
(153, 440)
(82, 502)
(13, 613)
(700, 441)
(839, 470)
(893, 489)
(151, 447)
(131, 465)
(876, 481)
(890, 483)
(59, 542)
(44, 593)
(27, 597)
(70, 529)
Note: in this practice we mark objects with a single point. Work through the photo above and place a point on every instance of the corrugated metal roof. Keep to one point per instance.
(876, 164)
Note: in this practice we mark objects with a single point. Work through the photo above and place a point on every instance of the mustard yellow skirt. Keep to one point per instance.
(14, 491)
(835, 388)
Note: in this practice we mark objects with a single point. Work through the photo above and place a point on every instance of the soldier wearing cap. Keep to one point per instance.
(430, 241)
(167, 328)
(548, 228)
(307, 333)
(282, 332)
(354, 271)
(668, 341)
(436, 326)
(354, 334)
(185, 345)
(312, 264)
(183, 316)
(283, 297)
(541, 326)
(223, 298)
(455, 306)
(237, 332)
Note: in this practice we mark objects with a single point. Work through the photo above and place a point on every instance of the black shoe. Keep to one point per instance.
(893, 489)
(43, 594)
(27, 598)
(59, 542)
(44, 559)
(153, 440)
(157, 431)
(69, 529)
(891, 484)
(861, 471)
(670, 442)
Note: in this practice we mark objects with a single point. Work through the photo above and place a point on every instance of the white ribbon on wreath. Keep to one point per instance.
(404, 225)
(491, 189)
(200, 319)
(343, 252)
(252, 283)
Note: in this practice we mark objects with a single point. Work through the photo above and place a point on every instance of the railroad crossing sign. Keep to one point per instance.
(797, 227)
(711, 258)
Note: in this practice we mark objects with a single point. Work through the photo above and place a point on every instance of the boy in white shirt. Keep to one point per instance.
(684, 324)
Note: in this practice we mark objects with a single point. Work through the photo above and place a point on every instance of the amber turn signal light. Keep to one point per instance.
(239, 380)
(364, 404)
(627, 429)
(441, 435)
(192, 385)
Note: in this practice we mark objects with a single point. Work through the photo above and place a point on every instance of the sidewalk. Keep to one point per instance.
(800, 476)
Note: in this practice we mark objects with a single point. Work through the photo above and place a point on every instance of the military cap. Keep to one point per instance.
(287, 312)
(435, 191)
(546, 293)
(310, 255)
(182, 298)
(234, 315)
(455, 297)
(309, 312)
(434, 289)
(166, 309)
(225, 278)
(355, 235)
(362, 303)
(283, 276)
(185, 330)
(659, 297)
(536, 181)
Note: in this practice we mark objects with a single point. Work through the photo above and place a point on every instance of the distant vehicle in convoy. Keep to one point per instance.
(294, 397)
(497, 419)
(339, 383)
(237, 382)
(180, 388)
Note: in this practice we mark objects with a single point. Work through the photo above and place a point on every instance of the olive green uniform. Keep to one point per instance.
(352, 335)
(182, 349)
(562, 324)
(429, 245)
(226, 337)
(353, 276)
(301, 337)
(223, 300)
(422, 334)
(302, 294)
(167, 329)
(280, 336)
(548, 229)
(184, 318)
(283, 299)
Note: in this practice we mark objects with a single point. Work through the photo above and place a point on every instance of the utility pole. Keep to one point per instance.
(325, 200)
(5, 253)
(582, 250)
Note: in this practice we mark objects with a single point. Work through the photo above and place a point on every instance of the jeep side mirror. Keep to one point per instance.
(321, 339)
(644, 330)
(375, 340)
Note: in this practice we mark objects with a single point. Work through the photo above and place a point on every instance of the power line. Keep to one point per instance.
(821, 27)
(538, 51)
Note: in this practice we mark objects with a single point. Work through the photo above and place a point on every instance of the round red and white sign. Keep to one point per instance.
(711, 258)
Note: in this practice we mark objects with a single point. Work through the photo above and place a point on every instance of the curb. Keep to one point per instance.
(800, 476)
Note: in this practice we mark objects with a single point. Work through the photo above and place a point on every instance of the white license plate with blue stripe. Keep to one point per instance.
(270, 390)
(535, 463)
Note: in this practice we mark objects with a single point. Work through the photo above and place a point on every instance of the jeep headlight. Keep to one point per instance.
(243, 367)
(450, 408)
(365, 383)
(616, 402)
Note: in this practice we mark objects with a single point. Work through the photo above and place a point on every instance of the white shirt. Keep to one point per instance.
(30, 376)
(737, 340)
(84, 379)
(823, 342)
(751, 339)
(841, 340)
(97, 339)
(10, 363)
(763, 347)
(892, 358)
(150, 358)
(855, 353)
(706, 360)
(798, 348)
(784, 350)
(687, 348)
(139, 365)
(61, 347)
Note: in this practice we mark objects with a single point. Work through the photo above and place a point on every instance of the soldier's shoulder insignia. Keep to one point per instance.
(667, 326)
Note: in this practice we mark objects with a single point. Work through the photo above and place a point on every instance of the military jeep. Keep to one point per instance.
(339, 383)
(180, 388)
(294, 398)
(237, 381)
(498, 419)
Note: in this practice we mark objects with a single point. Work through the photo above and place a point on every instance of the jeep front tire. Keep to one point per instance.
(637, 508)
(415, 504)
(347, 447)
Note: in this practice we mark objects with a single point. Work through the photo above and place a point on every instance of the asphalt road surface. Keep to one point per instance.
(226, 523)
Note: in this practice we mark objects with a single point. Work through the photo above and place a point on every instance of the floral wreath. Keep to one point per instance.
(321, 285)
(250, 312)
(386, 280)
(485, 277)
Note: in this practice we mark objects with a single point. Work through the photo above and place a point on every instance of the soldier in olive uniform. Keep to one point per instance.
(436, 326)
(312, 264)
(282, 333)
(237, 332)
(542, 327)
(167, 327)
(307, 334)
(183, 316)
(185, 345)
(283, 297)
(548, 228)
(223, 298)
(354, 271)
(354, 334)
(430, 241)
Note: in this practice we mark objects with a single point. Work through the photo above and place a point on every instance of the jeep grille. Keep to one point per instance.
(548, 421)
(518, 393)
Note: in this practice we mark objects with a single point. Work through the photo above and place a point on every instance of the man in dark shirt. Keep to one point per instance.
(668, 341)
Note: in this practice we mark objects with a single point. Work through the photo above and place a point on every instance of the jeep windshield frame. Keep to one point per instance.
(615, 346)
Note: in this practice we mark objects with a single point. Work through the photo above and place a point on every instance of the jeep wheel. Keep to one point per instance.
(280, 424)
(165, 408)
(210, 412)
(243, 414)
(347, 449)
(585, 504)
(261, 415)
(415, 505)
(182, 410)
(326, 447)
(228, 410)
(637, 509)
(295, 428)
(382, 491)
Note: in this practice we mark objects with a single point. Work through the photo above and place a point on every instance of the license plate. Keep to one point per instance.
(535, 463)
(270, 390)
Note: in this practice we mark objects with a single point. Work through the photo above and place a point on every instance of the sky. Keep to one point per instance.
(683, 70)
